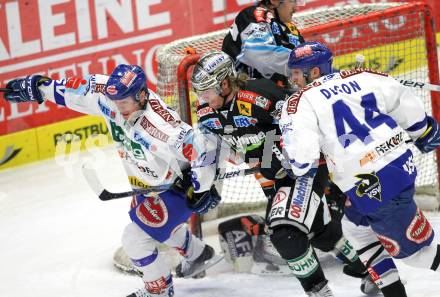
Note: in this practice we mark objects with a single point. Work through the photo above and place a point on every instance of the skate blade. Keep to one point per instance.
(262, 269)
(128, 270)
(208, 264)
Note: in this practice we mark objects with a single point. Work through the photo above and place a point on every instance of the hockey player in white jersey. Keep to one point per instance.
(156, 147)
(358, 118)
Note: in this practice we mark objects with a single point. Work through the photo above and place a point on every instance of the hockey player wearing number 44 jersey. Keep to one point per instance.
(357, 119)
(156, 147)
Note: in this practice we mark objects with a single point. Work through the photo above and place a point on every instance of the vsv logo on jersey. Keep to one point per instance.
(244, 121)
(409, 166)
(369, 185)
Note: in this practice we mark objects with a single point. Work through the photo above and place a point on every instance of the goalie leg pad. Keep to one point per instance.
(293, 245)
(235, 241)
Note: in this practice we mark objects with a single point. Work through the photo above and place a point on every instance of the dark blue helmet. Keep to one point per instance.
(309, 55)
(126, 81)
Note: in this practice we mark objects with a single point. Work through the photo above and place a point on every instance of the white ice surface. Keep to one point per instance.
(57, 239)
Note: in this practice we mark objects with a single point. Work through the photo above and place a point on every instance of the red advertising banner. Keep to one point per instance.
(64, 38)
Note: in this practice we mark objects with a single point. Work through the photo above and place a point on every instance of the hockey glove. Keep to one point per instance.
(25, 89)
(201, 203)
(430, 139)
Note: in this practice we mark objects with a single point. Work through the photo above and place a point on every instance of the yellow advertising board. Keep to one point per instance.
(55, 139)
(72, 135)
(18, 148)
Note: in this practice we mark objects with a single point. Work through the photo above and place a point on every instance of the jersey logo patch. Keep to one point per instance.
(419, 230)
(254, 98)
(106, 110)
(351, 72)
(213, 124)
(163, 113)
(153, 212)
(392, 246)
(244, 108)
(292, 103)
(262, 15)
(152, 130)
(134, 181)
(244, 121)
(369, 185)
(204, 111)
(128, 78)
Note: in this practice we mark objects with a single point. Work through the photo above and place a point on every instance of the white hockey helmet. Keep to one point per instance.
(211, 69)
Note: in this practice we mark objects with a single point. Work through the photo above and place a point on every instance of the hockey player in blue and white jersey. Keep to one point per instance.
(357, 119)
(261, 38)
(156, 148)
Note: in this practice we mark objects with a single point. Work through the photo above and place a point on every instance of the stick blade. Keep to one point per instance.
(92, 180)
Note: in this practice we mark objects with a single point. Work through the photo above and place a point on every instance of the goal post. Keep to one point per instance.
(397, 38)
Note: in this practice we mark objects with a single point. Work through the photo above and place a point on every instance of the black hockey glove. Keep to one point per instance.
(335, 200)
(201, 203)
(25, 89)
(429, 140)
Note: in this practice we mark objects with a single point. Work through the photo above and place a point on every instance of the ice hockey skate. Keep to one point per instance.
(321, 290)
(169, 292)
(369, 287)
(187, 269)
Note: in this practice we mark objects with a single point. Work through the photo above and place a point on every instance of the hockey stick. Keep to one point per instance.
(360, 60)
(5, 90)
(94, 183)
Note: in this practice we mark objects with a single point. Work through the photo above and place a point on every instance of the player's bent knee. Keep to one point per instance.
(427, 257)
(136, 243)
(327, 239)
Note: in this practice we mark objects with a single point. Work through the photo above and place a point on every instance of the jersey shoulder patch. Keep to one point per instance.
(261, 14)
(162, 111)
(254, 98)
(292, 102)
(351, 72)
(204, 110)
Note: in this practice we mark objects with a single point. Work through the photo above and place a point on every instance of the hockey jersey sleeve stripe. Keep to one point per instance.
(269, 48)
(147, 260)
(417, 126)
(262, 39)
(384, 266)
(59, 100)
(298, 164)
